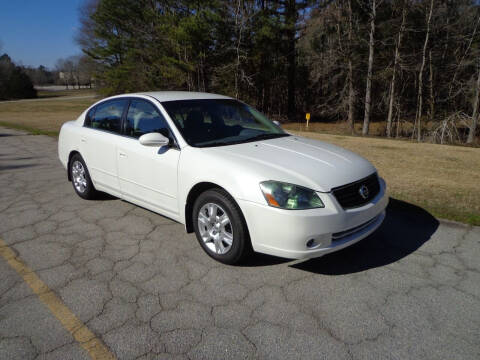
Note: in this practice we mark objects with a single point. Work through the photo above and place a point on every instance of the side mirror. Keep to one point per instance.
(277, 123)
(154, 139)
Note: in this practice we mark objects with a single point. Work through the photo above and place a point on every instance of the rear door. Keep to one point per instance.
(99, 143)
(148, 175)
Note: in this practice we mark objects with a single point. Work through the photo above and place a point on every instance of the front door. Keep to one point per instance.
(148, 175)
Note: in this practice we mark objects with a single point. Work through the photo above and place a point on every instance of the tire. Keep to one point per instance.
(81, 181)
(227, 242)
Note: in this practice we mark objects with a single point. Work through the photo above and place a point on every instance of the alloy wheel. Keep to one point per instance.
(215, 228)
(79, 176)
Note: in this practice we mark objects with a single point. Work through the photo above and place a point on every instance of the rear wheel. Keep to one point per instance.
(220, 227)
(82, 183)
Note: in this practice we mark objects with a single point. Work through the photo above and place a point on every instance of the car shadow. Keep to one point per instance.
(25, 158)
(405, 228)
(14, 167)
(258, 260)
(102, 196)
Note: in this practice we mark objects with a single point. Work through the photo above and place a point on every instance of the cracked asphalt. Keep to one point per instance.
(147, 291)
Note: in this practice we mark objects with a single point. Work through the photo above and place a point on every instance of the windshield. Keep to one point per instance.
(218, 122)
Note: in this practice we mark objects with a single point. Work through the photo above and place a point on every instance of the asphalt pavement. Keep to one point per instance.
(141, 288)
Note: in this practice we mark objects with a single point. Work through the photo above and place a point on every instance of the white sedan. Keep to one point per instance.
(224, 170)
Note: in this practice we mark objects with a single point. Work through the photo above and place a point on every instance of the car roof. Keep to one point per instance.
(181, 95)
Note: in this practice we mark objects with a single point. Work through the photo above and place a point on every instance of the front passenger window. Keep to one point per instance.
(143, 118)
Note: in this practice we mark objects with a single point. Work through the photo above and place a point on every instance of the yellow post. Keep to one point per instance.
(307, 116)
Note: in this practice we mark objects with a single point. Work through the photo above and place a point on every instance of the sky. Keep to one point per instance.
(38, 32)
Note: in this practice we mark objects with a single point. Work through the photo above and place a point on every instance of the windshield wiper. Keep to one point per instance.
(267, 136)
(221, 143)
(254, 138)
(217, 143)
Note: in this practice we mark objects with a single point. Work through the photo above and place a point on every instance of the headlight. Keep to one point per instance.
(289, 196)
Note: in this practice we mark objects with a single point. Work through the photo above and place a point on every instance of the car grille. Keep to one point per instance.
(349, 195)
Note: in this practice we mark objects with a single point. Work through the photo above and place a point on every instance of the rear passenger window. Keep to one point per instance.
(108, 116)
(143, 118)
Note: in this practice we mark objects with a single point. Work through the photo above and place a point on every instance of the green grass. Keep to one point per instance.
(43, 116)
(29, 129)
(46, 94)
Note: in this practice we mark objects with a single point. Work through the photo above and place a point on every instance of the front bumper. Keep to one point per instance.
(288, 233)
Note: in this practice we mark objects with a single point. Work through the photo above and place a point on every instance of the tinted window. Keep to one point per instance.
(217, 122)
(89, 117)
(143, 118)
(108, 115)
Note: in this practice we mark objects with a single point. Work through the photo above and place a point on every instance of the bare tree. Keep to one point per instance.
(70, 70)
(86, 70)
(371, 49)
(431, 114)
(63, 74)
(473, 127)
(395, 65)
(460, 65)
(418, 116)
(239, 27)
(75, 70)
(291, 16)
(351, 90)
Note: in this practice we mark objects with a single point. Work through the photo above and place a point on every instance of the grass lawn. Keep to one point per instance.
(46, 114)
(444, 180)
(44, 94)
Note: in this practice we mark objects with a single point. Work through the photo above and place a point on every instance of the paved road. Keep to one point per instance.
(147, 290)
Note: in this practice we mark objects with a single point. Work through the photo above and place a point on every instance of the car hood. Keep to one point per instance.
(314, 164)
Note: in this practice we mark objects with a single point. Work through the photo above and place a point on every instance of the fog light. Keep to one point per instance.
(311, 243)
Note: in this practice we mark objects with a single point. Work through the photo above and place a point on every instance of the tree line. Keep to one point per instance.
(409, 66)
(18, 81)
(76, 71)
(14, 82)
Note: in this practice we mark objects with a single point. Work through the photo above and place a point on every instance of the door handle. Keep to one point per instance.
(122, 154)
(83, 140)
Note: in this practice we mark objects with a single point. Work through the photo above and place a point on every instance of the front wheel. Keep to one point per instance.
(220, 227)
